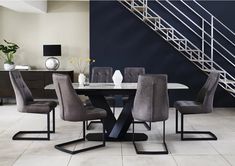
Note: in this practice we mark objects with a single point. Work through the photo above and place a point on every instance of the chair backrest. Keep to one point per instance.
(151, 101)
(71, 106)
(207, 92)
(101, 74)
(22, 93)
(131, 74)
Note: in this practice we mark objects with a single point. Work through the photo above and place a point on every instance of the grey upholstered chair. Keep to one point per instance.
(202, 105)
(151, 104)
(101, 75)
(26, 104)
(131, 75)
(72, 109)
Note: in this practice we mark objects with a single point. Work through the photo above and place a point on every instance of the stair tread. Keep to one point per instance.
(228, 81)
(192, 50)
(209, 70)
(139, 8)
(199, 60)
(180, 39)
(230, 90)
(151, 18)
(165, 29)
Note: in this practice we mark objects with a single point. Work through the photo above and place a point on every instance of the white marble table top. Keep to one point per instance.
(107, 86)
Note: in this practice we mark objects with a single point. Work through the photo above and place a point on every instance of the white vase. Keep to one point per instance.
(8, 66)
(117, 78)
(81, 79)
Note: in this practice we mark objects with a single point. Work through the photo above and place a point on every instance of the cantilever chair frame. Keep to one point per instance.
(48, 131)
(150, 152)
(23, 93)
(212, 89)
(61, 146)
(182, 132)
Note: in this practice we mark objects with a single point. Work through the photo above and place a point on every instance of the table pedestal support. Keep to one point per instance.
(127, 137)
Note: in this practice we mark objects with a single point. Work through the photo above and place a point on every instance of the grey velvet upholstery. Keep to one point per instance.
(71, 106)
(102, 74)
(204, 100)
(151, 103)
(24, 98)
(131, 74)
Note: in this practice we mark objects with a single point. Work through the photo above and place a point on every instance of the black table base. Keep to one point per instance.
(116, 129)
(127, 137)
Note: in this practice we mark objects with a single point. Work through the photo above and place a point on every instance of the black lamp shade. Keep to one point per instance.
(52, 50)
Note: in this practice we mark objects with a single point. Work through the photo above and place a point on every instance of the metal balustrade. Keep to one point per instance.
(179, 41)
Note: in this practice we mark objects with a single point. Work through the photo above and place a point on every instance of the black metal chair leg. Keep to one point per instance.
(48, 126)
(150, 152)
(176, 122)
(47, 132)
(61, 146)
(1, 101)
(182, 127)
(53, 121)
(182, 132)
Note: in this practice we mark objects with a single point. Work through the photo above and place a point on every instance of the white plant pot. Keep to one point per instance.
(117, 78)
(81, 79)
(8, 66)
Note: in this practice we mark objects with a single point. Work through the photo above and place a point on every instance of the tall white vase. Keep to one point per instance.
(81, 79)
(117, 78)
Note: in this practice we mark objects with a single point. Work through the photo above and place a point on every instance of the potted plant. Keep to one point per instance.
(8, 50)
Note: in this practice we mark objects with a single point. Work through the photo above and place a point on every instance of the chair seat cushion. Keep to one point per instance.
(95, 113)
(189, 107)
(40, 107)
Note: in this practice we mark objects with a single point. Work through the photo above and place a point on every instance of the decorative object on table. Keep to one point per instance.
(8, 55)
(23, 67)
(81, 79)
(52, 63)
(117, 78)
(81, 64)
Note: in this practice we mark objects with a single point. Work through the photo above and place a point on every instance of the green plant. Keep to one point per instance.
(9, 49)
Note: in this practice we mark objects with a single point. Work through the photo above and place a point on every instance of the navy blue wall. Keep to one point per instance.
(119, 39)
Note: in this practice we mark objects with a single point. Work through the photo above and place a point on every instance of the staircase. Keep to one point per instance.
(202, 56)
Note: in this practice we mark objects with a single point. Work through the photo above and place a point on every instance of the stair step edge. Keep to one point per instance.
(228, 81)
(230, 90)
(209, 70)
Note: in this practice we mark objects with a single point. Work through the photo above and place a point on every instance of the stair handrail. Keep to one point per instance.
(209, 44)
(214, 17)
(209, 23)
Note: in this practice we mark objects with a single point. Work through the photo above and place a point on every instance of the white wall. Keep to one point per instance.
(66, 23)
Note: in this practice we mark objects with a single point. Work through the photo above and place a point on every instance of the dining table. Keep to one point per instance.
(116, 128)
